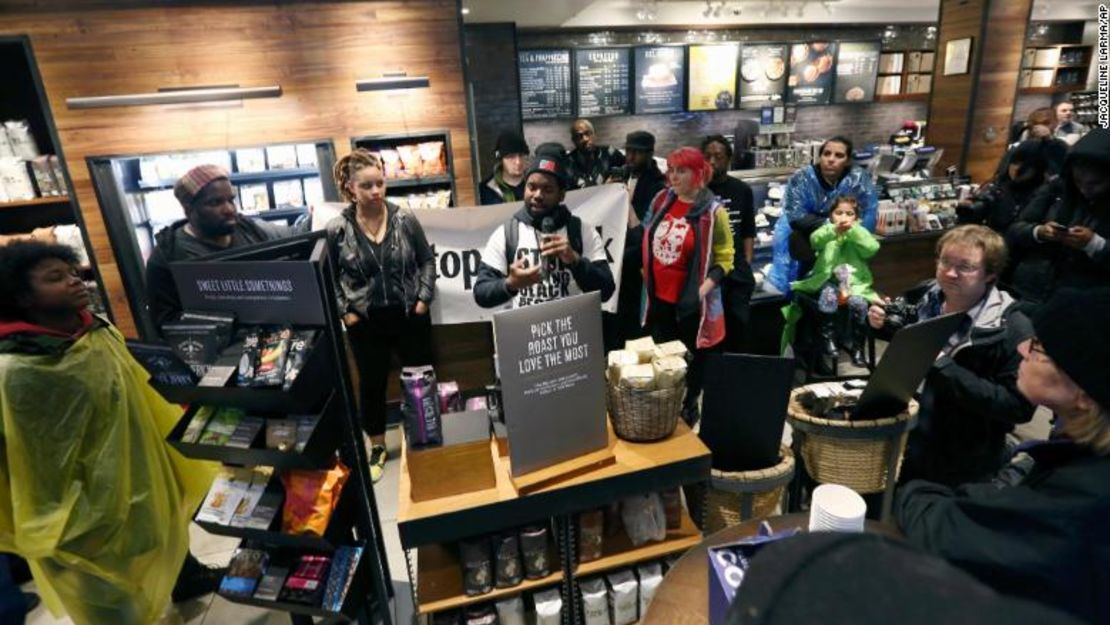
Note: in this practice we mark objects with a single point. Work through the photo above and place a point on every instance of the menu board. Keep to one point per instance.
(713, 77)
(857, 69)
(602, 81)
(762, 75)
(811, 72)
(545, 91)
(660, 73)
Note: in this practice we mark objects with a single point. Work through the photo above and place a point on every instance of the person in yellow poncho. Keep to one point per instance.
(90, 493)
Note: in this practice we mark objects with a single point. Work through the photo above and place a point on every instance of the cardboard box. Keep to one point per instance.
(462, 464)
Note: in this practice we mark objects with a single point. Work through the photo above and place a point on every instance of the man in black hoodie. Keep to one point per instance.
(543, 253)
(506, 183)
(1062, 233)
(212, 224)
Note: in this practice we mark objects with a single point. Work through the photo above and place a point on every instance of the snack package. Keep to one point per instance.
(227, 490)
(44, 179)
(511, 611)
(221, 426)
(310, 498)
(343, 565)
(197, 424)
(450, 400)
(248, 362)
(271, 359)
(265, 511)
(590, 535)
(670, 348)
(651, 575)
(431, 158)
(391, 162)
(481, 615)
(281, 434)
(410, 160)
(670, 372)
(420, 406)
(269, 587)
(306, 583)
(549, 607)
(644, 518)
(533, 546)
(506, 554)
(644, 348)
(244, 571)
(595, 601)
(246, 431)
(16, 180)
(22, 141)
(672, 507)
(618, 360)
(623, 597)
(306, 425)
(638, 377)
(298, 354)
(260, 478)
(477, 567)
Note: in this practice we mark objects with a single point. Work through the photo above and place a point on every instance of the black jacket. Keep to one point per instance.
(1044, 539)
(591, 169)
(1045, 267)
(969, 401)
(173, 244)
(491, 289)
(490, 192)
(648, 184)
(405, 254)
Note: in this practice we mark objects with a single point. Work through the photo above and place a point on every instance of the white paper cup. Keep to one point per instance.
(836, 508)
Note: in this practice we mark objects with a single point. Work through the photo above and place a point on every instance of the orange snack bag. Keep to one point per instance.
(310, 498)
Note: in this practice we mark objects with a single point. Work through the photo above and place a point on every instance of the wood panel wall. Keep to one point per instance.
(963, 107)
(314, 50)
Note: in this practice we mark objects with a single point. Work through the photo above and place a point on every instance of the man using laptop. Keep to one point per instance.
(969, 400)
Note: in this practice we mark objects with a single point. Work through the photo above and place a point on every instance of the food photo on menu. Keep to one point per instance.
(660, 79)
(857, 70)
(811, 72)
(762, 75)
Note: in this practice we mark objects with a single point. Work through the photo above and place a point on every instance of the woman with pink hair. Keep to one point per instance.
(687, 251)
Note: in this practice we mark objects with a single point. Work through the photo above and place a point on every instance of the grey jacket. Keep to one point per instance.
(361, 285)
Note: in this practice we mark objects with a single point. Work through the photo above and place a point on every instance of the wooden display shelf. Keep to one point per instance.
(39, 201)
(1052, 89)
(903, 97)
(405, 183)
(617, 551)
(439, 580)
(678, 459)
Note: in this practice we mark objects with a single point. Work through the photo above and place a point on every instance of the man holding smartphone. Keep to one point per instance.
(1060, 237)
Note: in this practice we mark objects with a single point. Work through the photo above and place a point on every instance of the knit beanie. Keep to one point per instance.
(189, 186)
(509, 143)
(1074, 327)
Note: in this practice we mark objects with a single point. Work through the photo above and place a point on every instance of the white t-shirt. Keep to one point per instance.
(560, 283)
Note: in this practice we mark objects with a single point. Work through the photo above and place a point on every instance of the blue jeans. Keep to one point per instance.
(13, 604)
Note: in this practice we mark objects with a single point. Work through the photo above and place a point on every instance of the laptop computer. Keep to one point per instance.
(744, 409)
(904, 365)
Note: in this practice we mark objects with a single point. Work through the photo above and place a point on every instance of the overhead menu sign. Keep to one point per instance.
(762, 75)
(660, 79)
(811, 72)
(713, 77)
(857, 70)
(602, 81)
(545, 87)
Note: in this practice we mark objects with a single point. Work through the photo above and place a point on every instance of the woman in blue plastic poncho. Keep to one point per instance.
(808, 199)
(90, 494)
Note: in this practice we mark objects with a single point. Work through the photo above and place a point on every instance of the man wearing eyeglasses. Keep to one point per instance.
(969, 401)
(591, 164)
(212, 224)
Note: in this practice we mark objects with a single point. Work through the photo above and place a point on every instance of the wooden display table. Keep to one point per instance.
(429, 528)
(683, 597)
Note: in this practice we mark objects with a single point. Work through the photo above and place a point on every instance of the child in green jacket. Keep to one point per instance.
(839, 278)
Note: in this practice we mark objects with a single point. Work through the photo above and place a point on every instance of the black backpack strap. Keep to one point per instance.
(512, 237)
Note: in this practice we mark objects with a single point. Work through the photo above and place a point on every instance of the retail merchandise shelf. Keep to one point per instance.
(902, 97)
(440, 580)
(404, 183)
(39, 201)
(242, 177)
(640, 467)
(1053, 89)
(618, 551)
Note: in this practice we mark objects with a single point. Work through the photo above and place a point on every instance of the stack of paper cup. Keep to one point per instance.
(836, 508)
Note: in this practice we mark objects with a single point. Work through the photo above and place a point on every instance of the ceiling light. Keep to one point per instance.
(392, 80)
(465, 11)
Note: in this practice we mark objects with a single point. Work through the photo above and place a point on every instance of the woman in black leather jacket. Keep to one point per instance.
(386, 282)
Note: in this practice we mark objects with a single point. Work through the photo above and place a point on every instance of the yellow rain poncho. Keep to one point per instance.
(90, 493)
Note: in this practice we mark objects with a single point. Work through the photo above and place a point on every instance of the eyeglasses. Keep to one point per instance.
(964, 269)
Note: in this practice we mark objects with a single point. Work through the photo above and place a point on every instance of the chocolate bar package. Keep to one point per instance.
(271, 358)
(506, 553)
(343, 566)
(306, 583)
(281, 434)
(477, 567)
(248, 362)
(246, 568)
(267, 508)
(533, 546)
(246, 432)
(420, 406)
(196, 342)
(269, 587)
(298, 355)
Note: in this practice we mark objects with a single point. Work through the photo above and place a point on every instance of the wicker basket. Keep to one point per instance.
(723, 508)
(644, 416)
(851, 453)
